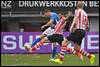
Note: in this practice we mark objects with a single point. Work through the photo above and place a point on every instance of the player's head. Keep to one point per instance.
(69, 13)
(80, 4)
(47, 12)
(61, 14)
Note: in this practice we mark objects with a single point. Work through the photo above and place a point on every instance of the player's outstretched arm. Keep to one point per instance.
(47, 24)
(73, 23)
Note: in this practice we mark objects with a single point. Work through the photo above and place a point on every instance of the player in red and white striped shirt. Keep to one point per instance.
(57, 30)
(78, 28)
(57, 37)
(60, 26)
(82, 20)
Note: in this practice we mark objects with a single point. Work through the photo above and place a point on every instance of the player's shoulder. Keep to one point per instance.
(63, 17)
(83, 11)
(53, 13)
(77, 10)
(80, 10)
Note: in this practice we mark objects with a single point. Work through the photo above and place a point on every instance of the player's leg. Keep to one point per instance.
(71, 37)
(63, 49)
(39, 44)
(56, 38)
(73, 51)
(85, 53)
(51, 38)
(27, 47)
(47, 32)
(62, 52)
(80, 35)
(38, 39)
(59, 38)
(74, 37)
(54, 50)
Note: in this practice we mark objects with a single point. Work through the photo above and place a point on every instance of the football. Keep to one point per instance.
(27, 45)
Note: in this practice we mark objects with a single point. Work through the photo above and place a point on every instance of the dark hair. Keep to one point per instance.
(46, 10)
(62, 13)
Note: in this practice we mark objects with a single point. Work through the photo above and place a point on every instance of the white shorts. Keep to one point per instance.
(49, 31)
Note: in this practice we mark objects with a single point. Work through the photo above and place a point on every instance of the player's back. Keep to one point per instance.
(82, 19)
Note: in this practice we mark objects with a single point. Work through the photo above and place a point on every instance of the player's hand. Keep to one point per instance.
(42, 27)
(70, 29)
(73, 29)
(87, 29)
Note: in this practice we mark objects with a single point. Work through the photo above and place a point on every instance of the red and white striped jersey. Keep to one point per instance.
(59, 26)
(82, 20)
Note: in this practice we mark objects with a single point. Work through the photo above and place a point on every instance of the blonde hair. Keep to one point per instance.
(80, 4)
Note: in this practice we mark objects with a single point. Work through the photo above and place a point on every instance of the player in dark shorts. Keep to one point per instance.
(76, 37)
(78, 28)
(57, 37)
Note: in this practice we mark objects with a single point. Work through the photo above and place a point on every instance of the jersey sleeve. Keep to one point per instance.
(52, 18)
(59, 25)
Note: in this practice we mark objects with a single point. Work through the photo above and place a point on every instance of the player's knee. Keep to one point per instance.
(45, 39)
(42, 36)
(64, 43)
(54, 44)
(77, 47)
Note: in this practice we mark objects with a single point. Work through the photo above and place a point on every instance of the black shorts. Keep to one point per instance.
(44, 28)
(56, 38)
(76, 36)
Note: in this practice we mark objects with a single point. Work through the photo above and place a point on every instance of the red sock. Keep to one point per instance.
(83, 52)
(62, 53)
(38, 45)
(71, 50)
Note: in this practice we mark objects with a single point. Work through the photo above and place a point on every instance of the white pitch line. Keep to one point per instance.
(16, 64)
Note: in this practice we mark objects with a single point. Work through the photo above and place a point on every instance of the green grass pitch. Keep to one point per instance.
(43, 60)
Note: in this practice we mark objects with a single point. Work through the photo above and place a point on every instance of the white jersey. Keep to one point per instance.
(49, 31)
(82, 20)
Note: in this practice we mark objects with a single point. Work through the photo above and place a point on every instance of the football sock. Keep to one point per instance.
(62, 53)
(38, 45)
(71, 50)
(54, 52)
(83, 52)
(35, 41)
